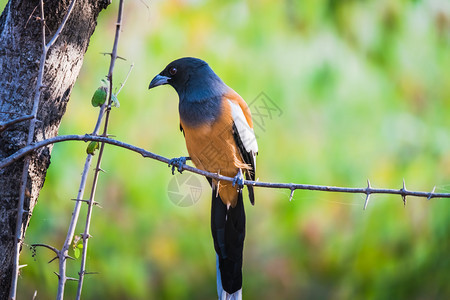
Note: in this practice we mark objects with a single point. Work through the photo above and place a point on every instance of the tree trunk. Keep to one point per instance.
(20, 51)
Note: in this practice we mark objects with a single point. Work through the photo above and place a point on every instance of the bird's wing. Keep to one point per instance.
(244, 135)
(243, 130)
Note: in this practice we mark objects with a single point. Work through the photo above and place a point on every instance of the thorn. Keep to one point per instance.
(291, 195)
(218, 184)
(80, 200)
(368, 193)
(217, 191)
(367, 201)
(369, 188)
(57, 275)
(95, 203)
(70, 257)
(101, 170)
(91, 273)
(56, 257)
(71, 278)
(22, 266)
(403, 190)
(404, 200)
(431, 193)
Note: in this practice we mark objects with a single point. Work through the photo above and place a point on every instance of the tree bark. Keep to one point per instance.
(20, 51)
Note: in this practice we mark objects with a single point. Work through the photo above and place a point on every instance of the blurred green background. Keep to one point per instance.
(362, 91)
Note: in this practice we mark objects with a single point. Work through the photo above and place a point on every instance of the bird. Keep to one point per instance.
(218, 129)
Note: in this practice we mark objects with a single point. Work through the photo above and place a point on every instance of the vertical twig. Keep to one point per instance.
(75, 214)
(86, 234)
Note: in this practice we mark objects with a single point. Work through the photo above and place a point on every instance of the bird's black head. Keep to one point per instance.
(192, 78)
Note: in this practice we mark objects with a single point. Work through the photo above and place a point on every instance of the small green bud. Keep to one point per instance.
(76, 252)
(92, 147)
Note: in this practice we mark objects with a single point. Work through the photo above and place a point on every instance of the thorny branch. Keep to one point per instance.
(369, 190)
(76, 212)
(91, 202)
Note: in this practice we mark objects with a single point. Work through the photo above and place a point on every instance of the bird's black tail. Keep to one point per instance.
(228, 231)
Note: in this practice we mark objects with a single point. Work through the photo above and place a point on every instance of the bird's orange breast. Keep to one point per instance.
(212, 148)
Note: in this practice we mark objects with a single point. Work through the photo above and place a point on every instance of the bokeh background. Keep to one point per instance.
(352, 90)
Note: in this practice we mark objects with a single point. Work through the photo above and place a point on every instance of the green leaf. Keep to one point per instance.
(92, 147)
(76, 252)
(100, 96)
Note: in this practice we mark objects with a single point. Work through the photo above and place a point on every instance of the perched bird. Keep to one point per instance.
(218, 129)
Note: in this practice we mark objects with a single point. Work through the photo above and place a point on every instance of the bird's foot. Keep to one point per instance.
(178, 163)
(239, 180)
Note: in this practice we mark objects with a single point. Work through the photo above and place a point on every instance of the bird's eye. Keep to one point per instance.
(173, 71)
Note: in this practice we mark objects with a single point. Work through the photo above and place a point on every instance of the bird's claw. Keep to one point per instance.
(178, 163)
(239, 180)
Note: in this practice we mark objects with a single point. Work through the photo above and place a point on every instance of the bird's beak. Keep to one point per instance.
(158, 80)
